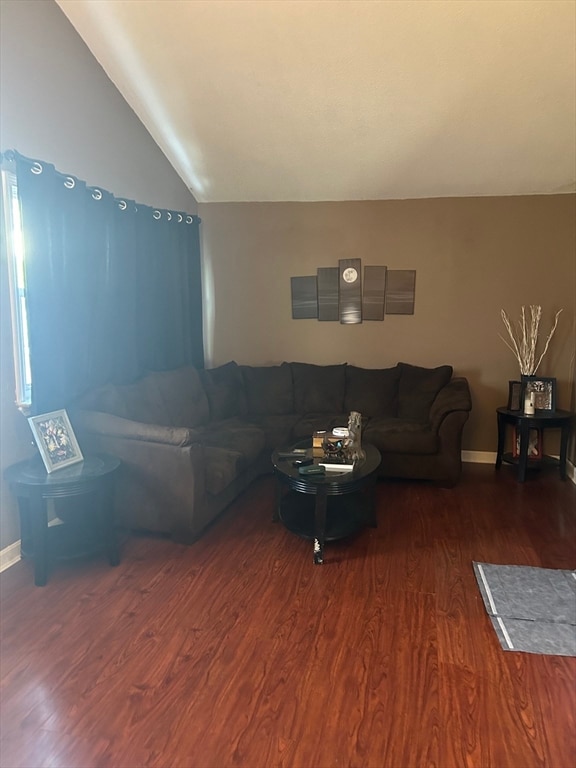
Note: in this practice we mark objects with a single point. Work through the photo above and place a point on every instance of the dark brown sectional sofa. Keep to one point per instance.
(191, 440)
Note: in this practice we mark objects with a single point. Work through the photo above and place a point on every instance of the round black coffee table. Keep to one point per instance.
(325, 507)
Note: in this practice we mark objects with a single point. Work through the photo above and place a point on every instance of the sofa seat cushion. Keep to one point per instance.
(418, 388)
(318, 388)
(396, 435)
(268, 389)
(372, 392)
(278, 429)
(247, 440)
(313, 422)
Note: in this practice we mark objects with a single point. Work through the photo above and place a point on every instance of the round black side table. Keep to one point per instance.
(562, 420)
(33, 487)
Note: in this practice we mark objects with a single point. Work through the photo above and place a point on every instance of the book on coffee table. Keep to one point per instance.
(337, 465)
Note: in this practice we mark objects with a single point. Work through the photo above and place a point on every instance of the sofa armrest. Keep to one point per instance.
(455, 396)
(161, 485)
(98, 423)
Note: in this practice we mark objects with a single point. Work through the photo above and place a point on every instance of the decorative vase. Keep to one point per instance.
(353, 444)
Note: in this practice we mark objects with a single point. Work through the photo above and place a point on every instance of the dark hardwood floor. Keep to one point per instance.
(238, 651)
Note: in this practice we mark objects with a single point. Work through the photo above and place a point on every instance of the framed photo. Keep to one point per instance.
(534, 444)
(56, 440)
(515, 395)
(544, 390)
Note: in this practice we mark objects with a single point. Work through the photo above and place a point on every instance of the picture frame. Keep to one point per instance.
(544, 390)
(535, 444)
(56, 440)
(515, 395)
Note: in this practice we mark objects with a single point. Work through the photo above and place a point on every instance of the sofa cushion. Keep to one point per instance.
(318, 388)
(277, 428)
(313, 422)
(235, 435)
(225, 390)
(168, 398)
(178, 397)
(268, 389)
(400, 436)
(418, 388)
(107, 399)
(372, 392)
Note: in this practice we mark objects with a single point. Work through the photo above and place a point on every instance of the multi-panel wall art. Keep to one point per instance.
(343, 293)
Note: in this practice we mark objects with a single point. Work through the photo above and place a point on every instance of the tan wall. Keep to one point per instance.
(58, 105)
(473, 256)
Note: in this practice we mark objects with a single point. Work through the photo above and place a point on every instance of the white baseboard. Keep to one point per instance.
(489, 457)
(9, 555)
(479, 457)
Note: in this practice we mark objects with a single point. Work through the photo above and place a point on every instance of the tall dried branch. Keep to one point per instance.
(524, 338)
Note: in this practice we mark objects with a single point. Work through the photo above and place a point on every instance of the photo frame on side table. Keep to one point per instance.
(544, 390)
(515, 395)
(56, 440)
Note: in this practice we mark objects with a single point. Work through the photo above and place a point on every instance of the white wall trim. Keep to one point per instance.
(9, 555)
(489, 457)
(479, 457)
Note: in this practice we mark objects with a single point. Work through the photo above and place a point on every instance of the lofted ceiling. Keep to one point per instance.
(270, 100)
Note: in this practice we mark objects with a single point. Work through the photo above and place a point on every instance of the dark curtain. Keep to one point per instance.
(113, 287)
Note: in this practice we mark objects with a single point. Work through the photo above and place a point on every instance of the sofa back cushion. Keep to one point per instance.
(268, 389)
(107, 399)
(418, 389)
(178, 397)
(225, 390)
(372, 392)
(318, 388)
(169, 398)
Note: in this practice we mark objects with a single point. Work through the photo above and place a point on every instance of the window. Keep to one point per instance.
(17, 288)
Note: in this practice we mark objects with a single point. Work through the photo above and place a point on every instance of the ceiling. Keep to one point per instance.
(270, 100)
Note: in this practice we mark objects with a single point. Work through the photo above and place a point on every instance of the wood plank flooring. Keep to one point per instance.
(238, 652)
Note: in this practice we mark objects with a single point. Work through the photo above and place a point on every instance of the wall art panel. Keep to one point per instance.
(374, 293)
(350, 291)
(328, 293)
(400, 291)
(304, 297)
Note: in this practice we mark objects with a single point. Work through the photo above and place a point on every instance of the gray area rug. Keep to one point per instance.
(532, 609)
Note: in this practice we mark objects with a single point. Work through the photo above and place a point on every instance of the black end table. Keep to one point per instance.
(33, 487)
(562, 420)
(305, 510)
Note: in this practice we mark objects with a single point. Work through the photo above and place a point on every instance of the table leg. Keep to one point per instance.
(523, 457)
(39, 525)
(501, 440)
(320, 525)
(26, 540)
